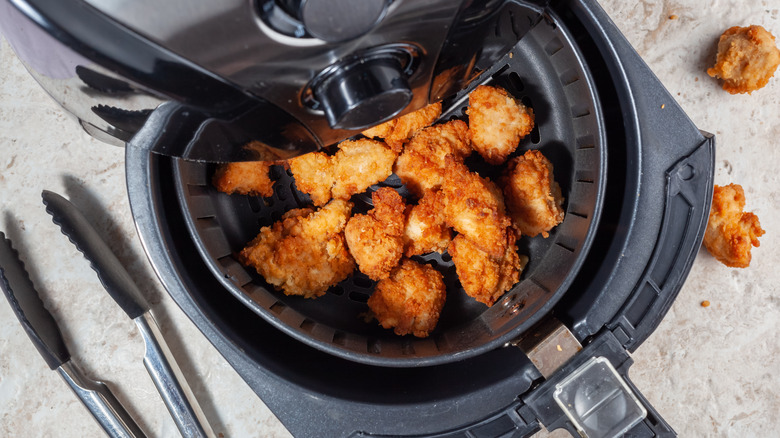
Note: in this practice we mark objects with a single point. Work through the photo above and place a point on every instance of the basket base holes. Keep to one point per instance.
(360, 297)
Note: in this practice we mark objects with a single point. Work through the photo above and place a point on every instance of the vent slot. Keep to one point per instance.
(553, 46)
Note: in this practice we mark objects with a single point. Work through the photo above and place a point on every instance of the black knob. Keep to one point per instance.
(336, 20)
(363, 93)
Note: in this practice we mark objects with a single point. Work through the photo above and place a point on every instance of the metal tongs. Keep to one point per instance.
(44, 333)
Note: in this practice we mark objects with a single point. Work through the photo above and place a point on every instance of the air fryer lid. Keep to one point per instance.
(547, 73)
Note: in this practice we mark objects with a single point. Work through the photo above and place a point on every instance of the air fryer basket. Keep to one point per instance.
(547, 73)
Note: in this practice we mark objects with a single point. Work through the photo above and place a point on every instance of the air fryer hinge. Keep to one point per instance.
(549, 345)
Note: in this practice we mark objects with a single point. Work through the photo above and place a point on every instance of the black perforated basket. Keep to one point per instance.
(548, 74)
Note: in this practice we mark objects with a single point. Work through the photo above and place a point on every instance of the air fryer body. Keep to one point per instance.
(283, 76)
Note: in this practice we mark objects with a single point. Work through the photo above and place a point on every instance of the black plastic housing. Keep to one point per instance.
(659, 184)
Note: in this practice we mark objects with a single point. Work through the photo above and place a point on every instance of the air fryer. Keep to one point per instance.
(637, 176)
(639, 236)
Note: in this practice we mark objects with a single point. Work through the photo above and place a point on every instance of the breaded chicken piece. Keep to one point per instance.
(375, 240)
(483, 277)
(425, 229)
(474, 207)
(533, 198)
(313, 174)
(747, 59)
(497, 122)
(359, 164)
(245, 178)
(397, 131)
(421, 166)
(410, 300)
(356, 166)
(730, 231)
(305, 252)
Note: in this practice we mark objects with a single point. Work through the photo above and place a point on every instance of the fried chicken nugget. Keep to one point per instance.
(359, 164)
(533, 197)
(397, 131)
(730, 231)
(305, 252)
(375, 240)
(313, 173)
(422, 164)
(245, 178)
(483, 277)
(410, 300)
(356, 166)
(747, 59)
(425, 229)
(474, 206)
(497, 122)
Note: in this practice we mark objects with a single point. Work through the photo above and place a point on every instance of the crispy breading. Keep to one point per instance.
(425, 230)
(375, 239)
(359, 164)
(410, 300)
(497, 122)
(421, 166)
(747, 59)
(245, 178)
(474, 206)
(731, 232)
(533, 197)
(313, 173)
(305, 252)
(397, 131)
(483, 277)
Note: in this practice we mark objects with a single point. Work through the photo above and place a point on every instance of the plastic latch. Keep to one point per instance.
(598, 401)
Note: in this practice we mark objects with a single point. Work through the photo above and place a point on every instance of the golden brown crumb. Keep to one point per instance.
(375, 240)
(245, 178)
(397, 131)
(483, 277)
(532, 196)
(474, 206)
(313, 175)
(421, 166)
(747, 59)
(705, 303)
(426, 230)
(410, 300)
(357, 165)
(497, 122)
(730, 231)
(305, 252)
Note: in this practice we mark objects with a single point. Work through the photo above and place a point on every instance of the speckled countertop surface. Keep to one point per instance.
(711, 371)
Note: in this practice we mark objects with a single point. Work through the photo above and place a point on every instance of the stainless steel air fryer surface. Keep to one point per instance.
(547, 73)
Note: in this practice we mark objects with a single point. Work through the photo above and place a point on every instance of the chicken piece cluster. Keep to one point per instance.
(747, 58)
(478, 221)
(731, 232)
(356, 166)
(376, 239)
(305, 252)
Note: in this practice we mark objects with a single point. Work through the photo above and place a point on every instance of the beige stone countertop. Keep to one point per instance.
(710, 371)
